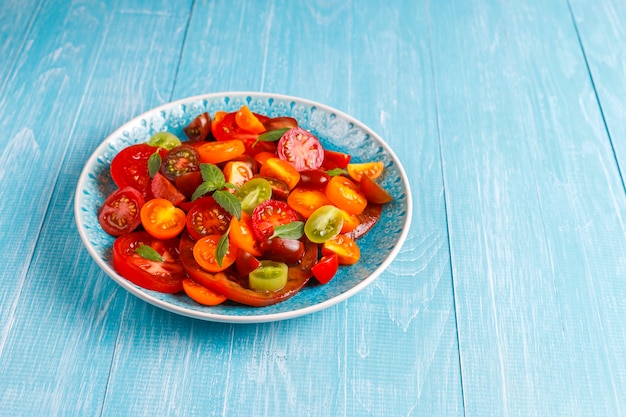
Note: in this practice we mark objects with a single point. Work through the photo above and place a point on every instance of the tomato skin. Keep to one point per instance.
(374, 192)
(335, 159)
(269, 214)
(313, 178)
(206, 217)
(305, 201)
(161, 219)
(326, 268)
(218, 152)
(301, 148)
(371, 169)
(346, 195)
(162, 188)
(180, 160)
(129, 168)
(166, 276)
(199, 129)
(346, 248)
(204, 253)
(237, 289)
(201, 294)
(367, 220)
(247, 121)
(120, 212)
(282, 170)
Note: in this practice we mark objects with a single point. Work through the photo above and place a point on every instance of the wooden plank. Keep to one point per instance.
(336, 361)
(62, 328)
(535, 208)
(16, 17)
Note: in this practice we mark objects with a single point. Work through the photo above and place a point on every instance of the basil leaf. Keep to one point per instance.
(230, 185)
(228, 202)
(336, 172)
(222, 248)
(271, 136)
(204, 188)
(293, 230)
(148, 253)
(154, 164)
(213, 175)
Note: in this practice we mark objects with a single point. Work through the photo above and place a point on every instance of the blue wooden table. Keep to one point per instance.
(508, 297)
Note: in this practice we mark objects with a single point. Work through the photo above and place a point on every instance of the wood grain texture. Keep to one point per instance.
(534, 204)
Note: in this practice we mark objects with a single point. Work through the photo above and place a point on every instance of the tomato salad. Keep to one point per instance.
(248, 209)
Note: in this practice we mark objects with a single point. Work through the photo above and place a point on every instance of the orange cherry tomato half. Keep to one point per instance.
(347, 250)
(282, 170)
(306, 201)
(346, 195)
(241, 234)
(350, 222)
(246, 120)
(216, 152)
(371, 169)
(162, 219)
(326, 268)
(201, 294)
(219, 115)
(204, 252)
(374, 192)
(237, 172)
(261, 157)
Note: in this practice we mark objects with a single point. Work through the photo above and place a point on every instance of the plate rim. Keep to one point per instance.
(243, 319)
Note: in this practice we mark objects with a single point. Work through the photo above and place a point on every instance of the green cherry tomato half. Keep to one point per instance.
(323, 224)
(164, 140)
(252, 193)
(269, 276)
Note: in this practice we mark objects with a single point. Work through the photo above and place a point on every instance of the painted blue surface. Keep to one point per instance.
(507, 297)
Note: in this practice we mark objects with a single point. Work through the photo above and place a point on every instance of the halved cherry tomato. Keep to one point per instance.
(372, 169)
(162, 188)
(201, 294)
(246, 120)
(237, 172)
(238, 289)
(166, 140)
(242, 236)
(129, 168)
(246, 263)
(280, 122)
(306, 201)
(204, 252)
(216, 152)
(261, 157)
(226, 129)
(324, 224)
(217, 117)
(350, 221)
(161, 219)
(346, 195)
(347, 250)
(253, 193)
(335, 159)
(314, 178)
(367, 220)
(283, 170)
(289, 251)
(120, 212)
(374, 192)
(199, 128)
(179, 161)
(300, 148)
(269, 276)
(166, 276)
(326, 268)
(206, 217)
(280, 189)
(269, 214)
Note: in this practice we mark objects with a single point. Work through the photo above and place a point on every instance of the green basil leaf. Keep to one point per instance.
(204, 188)
(271, 136)
(148, 253)
(336, 172)
(293, 230)
(213, 175)
(154, 164)
(222, 248)
(230, 185)
(228, 202)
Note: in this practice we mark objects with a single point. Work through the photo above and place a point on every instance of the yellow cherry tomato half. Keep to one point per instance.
(162, 219)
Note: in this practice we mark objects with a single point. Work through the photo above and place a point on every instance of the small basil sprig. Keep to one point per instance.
(222, 248)
(293, 230)
(154, 163)
(147, 252)
(213, 181)
(271, 135)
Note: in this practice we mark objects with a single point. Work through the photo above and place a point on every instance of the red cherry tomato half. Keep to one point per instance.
(188, 183)
(246, 263)
(166, 276)
(269, 214)
(129, 168)
(281, 122)
(206, 217)
(374, 192)
(335, 159)
(120, 212)
(162, 188)
(199, 128)
(326, 268)
(301, 148)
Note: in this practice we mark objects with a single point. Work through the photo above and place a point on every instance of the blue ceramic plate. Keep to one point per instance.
(335, 130)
